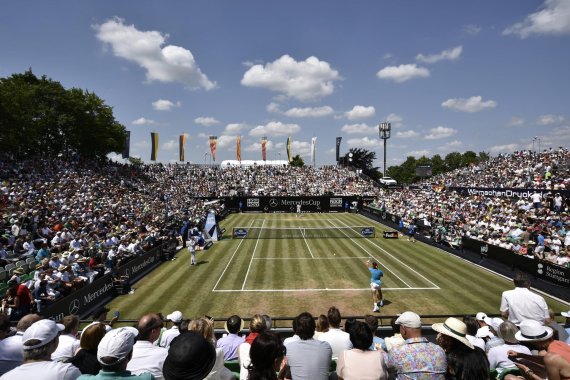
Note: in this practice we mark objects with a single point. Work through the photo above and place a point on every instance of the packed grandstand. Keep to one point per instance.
(67, 223)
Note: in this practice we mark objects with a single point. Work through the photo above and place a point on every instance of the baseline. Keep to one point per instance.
(315, 290)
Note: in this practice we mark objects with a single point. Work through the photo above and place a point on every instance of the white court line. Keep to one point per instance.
(315, 290)
(252, 255)
(398, 260)
(313, 258)
(306, 243)
(371, 256)
(230, 261)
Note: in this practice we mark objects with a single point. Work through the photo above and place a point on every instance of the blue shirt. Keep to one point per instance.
(375, 275)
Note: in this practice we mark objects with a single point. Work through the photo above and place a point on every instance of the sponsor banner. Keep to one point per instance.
(240, 233)
(543, 269)
(367, 231)
(505, 192)
(390, 234)
(289, 204)
(84, 300)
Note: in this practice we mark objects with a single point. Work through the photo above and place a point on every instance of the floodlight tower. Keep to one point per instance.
(384, 130)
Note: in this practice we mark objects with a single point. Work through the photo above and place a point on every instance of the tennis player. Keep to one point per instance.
(375, 284)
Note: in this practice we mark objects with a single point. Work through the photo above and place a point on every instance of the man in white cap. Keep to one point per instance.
(38, 343)
(416, 358)
(166, 337)
(114, 352)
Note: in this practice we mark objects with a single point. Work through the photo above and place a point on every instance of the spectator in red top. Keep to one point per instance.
(21, 302)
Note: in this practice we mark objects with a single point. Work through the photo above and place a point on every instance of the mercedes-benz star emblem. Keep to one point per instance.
(74, 306)
(273, 202)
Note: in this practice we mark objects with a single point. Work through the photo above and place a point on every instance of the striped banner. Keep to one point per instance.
(238, 148)
(153, 146)
(213, 144)
(264, 148)
(289, 158)
(182, 140)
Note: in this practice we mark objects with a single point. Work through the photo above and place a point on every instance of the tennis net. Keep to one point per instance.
(303, 232)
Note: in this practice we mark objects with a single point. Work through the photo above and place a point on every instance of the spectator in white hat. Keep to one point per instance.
(38, 343)
(166, 337)
(416, 358)
(11, 347)
(498, 358)
(114, 353)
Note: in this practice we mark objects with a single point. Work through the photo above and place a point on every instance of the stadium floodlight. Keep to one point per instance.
(384, 130)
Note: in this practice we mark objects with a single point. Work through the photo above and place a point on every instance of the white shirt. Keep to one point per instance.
(11, 352)
(44, 370)
(167, 337)
(66, 348)
(338, 339)
(498, 358)
(147, 358)
(523, 304)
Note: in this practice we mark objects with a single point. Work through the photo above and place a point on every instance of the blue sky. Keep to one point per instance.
(449, 75)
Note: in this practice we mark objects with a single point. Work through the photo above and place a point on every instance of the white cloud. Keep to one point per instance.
(407, 134)
(309, 112)
(472, 29)
(273, 108)
(446, 55)
(473, 104)
(440, 133)
(418, 153)
(206, 121)
(164, 105)
(550, 119)
(170, 145)
(360, 112)
(552, 19)
(143, 121)
(275, 128)
(235, 127)
(226, 141)
(388, 56)
(402, 73)
(364, 142)
(515, 121)
(451, 145)
(509, 148)
(167, 63)
(310, 79)
(362, 128)
(395, 120)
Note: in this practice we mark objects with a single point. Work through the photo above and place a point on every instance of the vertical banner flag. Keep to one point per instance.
(213, 143)
(289, 158)
(263, 148)
(182, 139)
(127, 146)
(153, 146)
(313, 148)
(338, 139)
(238, 148)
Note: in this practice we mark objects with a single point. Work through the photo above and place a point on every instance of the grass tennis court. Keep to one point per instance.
(284, 276)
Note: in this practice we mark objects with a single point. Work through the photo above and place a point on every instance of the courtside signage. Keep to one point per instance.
(367, 231)
(240, 232)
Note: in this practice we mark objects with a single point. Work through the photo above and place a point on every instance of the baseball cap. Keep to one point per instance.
(409, 319)
(44, 330)
(481, 316)
(117, 343)
(175, 316)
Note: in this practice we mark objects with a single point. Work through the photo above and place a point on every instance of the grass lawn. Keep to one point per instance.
(282, 277)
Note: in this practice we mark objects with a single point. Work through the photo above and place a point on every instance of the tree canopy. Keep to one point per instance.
(362, 159)
(39, 117)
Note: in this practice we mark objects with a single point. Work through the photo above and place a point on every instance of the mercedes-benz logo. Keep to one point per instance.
(273, 202)
(74, 306)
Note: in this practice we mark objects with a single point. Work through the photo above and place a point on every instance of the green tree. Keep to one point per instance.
(453, 161)
(40, 117)
(363, 159)
(437, 165)
(297, 161)
(468, 158)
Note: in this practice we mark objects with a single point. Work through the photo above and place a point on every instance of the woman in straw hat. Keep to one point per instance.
(464, 362)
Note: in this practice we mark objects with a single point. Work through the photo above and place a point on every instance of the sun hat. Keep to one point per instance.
(494, 322)
(566, 314)
(409, 319)
(175, 316)
(190, 357)
(533, 331)
(44, 330)
(117, 343)
(454, 328)
(484, 332)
